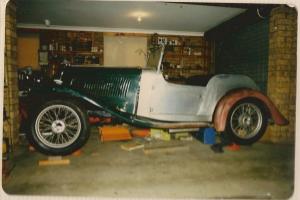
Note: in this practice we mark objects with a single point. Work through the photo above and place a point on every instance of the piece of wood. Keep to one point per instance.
(165, 149)
(54, 160)
(177, 136)
(187, 138)
(132, 146)
(160, 134)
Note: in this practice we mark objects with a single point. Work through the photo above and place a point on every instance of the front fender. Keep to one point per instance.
(64, 91)
(52, 92)
(42, 94)
(227, 102)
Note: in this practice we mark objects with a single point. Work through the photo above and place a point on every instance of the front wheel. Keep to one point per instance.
(246, 122)
(59, 128)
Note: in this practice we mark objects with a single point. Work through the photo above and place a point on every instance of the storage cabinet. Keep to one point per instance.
(69, 47)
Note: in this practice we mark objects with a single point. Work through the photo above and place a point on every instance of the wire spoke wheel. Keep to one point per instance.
(246, 120)
(58, 126)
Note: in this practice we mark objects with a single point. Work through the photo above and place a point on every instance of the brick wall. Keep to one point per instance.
(245, 52)
(11, 103)
(282, 70)
(266, 51)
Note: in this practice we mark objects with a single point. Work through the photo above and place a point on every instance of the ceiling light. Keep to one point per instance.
(139, 15)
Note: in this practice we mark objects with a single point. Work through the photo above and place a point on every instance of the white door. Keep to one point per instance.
(174, 102)
(125, 51)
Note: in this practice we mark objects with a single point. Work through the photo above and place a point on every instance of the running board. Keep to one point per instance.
(147, 122)
(180, 125)
(181, 130)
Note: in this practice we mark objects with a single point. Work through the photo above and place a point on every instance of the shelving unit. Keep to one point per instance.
(69, 47)
(185, 56)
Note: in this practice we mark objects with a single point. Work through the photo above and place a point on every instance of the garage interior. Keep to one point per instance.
(257, 40)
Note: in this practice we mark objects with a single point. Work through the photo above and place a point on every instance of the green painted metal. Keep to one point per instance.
(129, 118)
(115, 88)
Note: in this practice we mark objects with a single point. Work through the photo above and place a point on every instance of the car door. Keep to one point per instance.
(174, 102)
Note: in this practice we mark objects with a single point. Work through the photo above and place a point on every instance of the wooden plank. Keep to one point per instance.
(54, 160)
(132, 146)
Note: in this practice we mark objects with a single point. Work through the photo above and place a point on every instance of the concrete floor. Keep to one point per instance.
(105, 170)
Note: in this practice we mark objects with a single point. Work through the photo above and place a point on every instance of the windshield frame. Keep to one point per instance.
(160, 50)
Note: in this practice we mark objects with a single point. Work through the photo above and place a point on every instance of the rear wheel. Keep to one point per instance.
(59, 128)
(246, 122)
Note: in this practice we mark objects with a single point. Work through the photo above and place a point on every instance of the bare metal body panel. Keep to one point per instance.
(161, 100)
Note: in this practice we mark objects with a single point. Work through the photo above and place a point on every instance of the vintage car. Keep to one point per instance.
(231, 104)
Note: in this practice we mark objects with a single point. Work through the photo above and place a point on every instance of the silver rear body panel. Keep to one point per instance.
(161, 100)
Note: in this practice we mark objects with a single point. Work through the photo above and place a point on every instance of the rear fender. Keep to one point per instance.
(229, 100)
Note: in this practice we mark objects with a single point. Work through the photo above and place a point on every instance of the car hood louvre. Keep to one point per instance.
(116, 87)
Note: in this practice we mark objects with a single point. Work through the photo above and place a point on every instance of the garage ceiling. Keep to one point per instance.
(156, 17)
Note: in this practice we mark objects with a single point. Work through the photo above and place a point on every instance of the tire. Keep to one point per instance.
(246, 121)
(59, 127)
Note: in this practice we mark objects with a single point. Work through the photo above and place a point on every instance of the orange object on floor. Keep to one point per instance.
(234, 147)
(140, 132)
(114, 133)
(77, 153)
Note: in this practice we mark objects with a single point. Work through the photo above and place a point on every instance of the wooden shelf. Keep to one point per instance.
(186, 46)
(74, 47)
(185, 55)
(71, 52)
